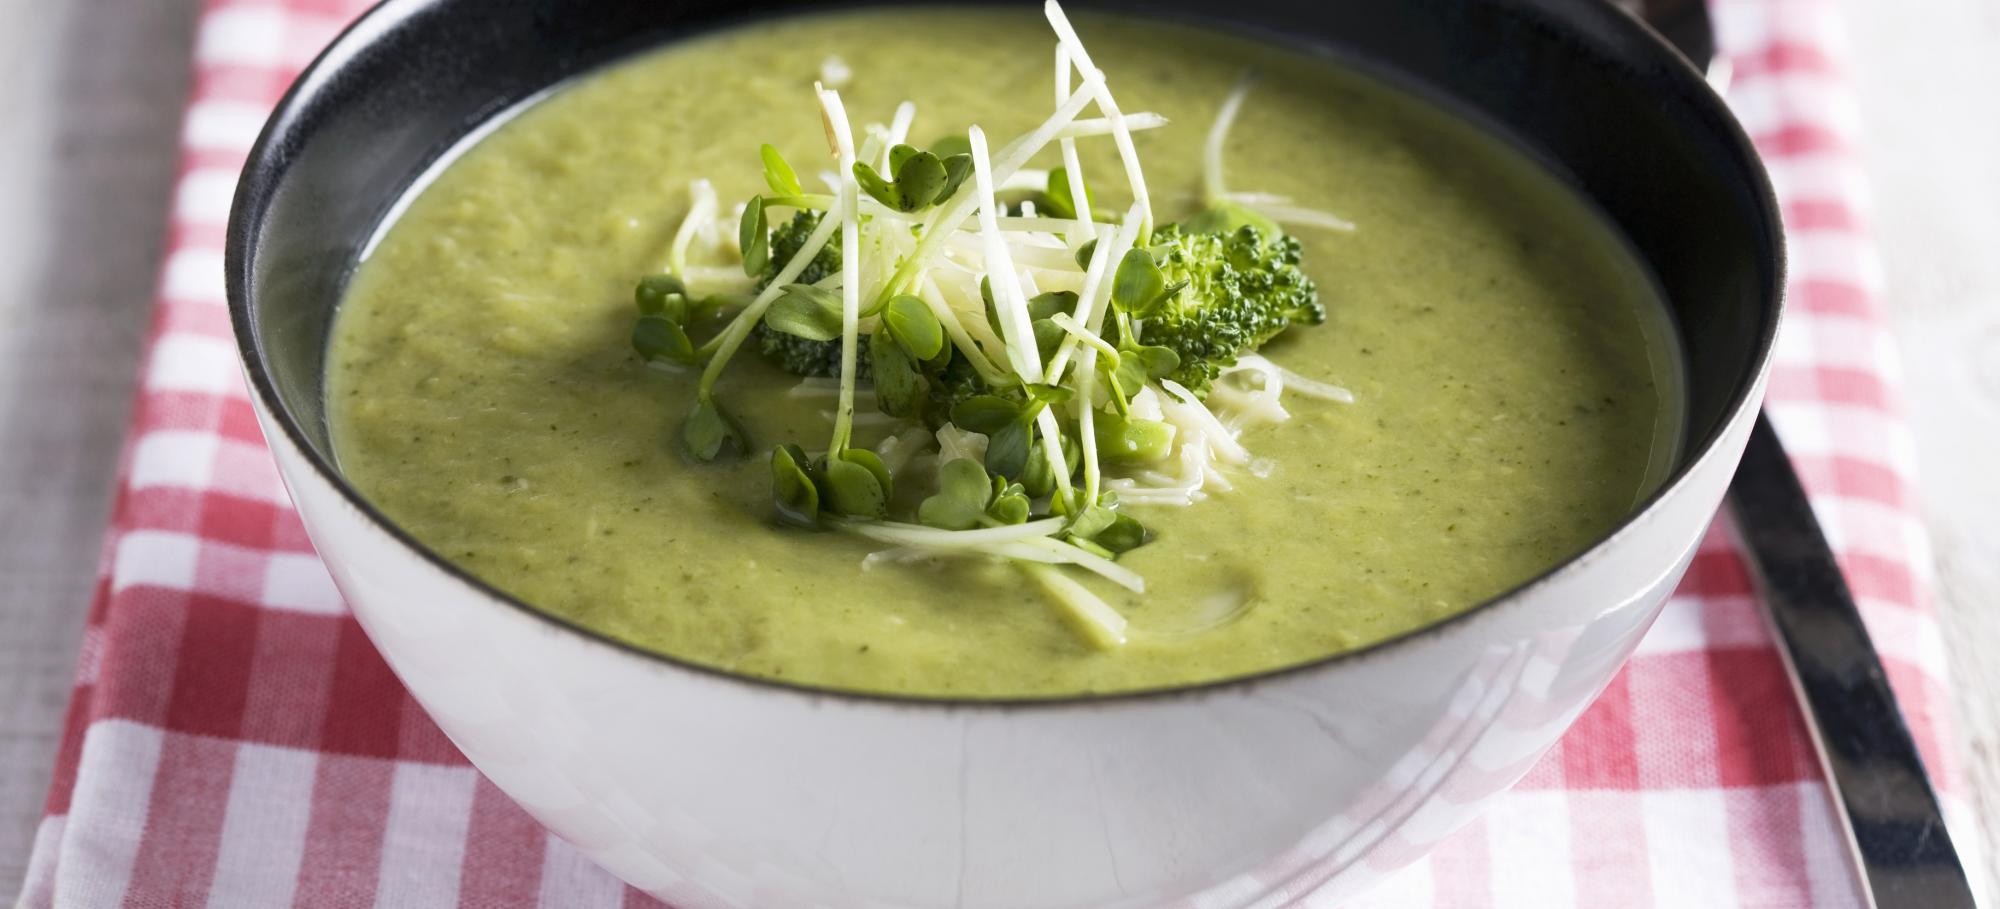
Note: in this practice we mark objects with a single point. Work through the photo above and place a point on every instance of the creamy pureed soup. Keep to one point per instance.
(1515, 385)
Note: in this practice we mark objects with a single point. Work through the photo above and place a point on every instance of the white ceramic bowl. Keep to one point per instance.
(712, 790)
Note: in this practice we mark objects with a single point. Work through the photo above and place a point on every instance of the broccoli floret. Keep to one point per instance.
(806, 357)
(1243, 289)
(791, 353)
(786, 241)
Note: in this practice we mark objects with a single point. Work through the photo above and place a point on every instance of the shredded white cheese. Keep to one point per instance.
(1248, 392)
(834, 72)
(1312, 388)
(1182, 407)
(702, 206)
(899, 130)
(1056, 552)
(1218, 135)
(1053, 451)
(1005, 284)
(920, 535)
(1101, 625)
(955, 443)
(899, 449)
(850, 257)
(1094, 79)
(1085, 127)
(1072, 165)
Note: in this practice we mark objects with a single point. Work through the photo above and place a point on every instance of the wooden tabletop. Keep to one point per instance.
(1926, 82)
(90, 98)
(91, 94)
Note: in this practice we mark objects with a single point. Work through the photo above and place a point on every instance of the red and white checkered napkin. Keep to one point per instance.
(235, 740)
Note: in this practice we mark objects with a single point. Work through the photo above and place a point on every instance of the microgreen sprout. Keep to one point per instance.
(901, 389)
(793, 487)
(709, 433)
(806, 311)
(1139, 287)
(856, 483)
(964, 491)
(754, 237)
(657, 337)
(1010, 503)
(914, 326)
(660, 334)
(922, 178)
(778, 173)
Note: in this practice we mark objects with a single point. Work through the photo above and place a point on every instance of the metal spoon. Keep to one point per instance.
(1895, 831)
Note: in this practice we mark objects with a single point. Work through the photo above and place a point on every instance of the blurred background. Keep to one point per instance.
(90, 102)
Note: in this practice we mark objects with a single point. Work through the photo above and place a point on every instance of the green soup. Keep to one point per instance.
(1516, 387)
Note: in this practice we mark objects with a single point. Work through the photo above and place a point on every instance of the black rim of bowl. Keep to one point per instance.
(260, 176)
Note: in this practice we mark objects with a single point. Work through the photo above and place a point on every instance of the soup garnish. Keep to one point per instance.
(1060, 359)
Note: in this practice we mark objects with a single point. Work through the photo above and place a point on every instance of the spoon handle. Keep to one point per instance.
(1894, 827)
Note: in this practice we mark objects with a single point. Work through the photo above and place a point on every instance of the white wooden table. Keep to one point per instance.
(90, 97)
(1926, 74)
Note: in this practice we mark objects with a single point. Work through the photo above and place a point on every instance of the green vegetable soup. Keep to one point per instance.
(1515, 385)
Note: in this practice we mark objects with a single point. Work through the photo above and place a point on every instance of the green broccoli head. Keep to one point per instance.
(791, 353)
(786, 241)
(1243, 289)
(806, 357)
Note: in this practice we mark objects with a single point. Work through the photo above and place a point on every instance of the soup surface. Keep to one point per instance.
(1514, 380)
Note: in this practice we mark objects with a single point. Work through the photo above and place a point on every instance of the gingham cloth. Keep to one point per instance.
(234, 740)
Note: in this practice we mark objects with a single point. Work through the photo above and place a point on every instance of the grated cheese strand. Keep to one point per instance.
(899, 130)
(1013, 308)
(1191, 406)
(1086, 422)
(1052, 450)
(1093, 618)
(1040, 225)
(1218, 134)
(1312, 388)
(842, 135)
(921, 535)
(1096, 292)
(1120, 133)
(1089, 561)
(1086, 127)
(1072, 165)
(702, 206)
(1300, 216)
